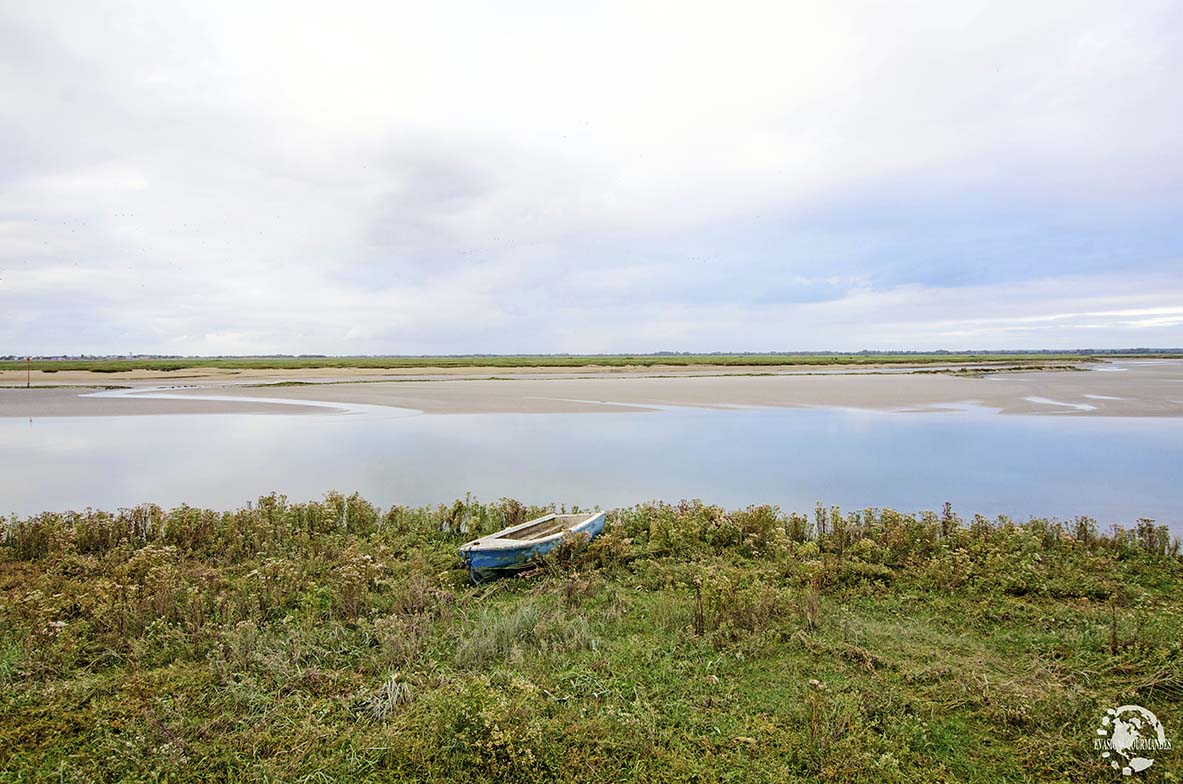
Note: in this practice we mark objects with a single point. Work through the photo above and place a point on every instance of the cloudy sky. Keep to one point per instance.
(444, 177)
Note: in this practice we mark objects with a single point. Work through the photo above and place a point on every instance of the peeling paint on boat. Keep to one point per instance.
(502, 552)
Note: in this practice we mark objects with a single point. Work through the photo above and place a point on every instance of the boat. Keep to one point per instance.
(515, 547)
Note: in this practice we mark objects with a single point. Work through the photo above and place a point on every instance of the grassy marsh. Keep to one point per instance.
(335, 640)
(539, 361)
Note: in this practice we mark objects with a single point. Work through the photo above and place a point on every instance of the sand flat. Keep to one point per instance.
(1141, 389)
(75, 402)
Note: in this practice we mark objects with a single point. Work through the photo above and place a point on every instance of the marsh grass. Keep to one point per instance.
(531, 628)
(544, 361)
(333, 640)
(381, 703)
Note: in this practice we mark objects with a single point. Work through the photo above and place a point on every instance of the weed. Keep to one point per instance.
(381, 703)
(332, 640)
(529, 628)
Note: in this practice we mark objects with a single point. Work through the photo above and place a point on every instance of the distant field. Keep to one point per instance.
(642, 360)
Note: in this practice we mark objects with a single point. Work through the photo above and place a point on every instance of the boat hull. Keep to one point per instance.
(486, 561)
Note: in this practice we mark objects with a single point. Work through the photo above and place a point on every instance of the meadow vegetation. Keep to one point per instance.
(333, 640)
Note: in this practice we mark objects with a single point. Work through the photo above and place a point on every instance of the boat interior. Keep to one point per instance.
(547, 526)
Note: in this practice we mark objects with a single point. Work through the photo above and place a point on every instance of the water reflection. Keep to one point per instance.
(1113, 469)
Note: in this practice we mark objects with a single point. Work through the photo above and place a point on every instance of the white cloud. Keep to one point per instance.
(457, 177)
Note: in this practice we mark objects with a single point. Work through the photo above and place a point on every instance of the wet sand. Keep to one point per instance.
(1133, 388)
(74, 401)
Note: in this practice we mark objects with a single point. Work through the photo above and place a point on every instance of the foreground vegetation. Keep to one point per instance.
(543, 361)
(336, 641)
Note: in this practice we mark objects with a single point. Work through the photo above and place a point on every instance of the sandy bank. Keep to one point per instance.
(1123, 389)
(67, 402)
(1149, 390)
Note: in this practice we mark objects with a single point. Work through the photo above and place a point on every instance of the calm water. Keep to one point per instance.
(1115, 470)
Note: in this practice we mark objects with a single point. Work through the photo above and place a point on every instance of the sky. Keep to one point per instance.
(517, 177)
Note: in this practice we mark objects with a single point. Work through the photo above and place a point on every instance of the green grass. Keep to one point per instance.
(337, 641)
(543, 361)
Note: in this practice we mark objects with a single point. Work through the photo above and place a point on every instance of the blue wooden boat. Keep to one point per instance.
(514, 547)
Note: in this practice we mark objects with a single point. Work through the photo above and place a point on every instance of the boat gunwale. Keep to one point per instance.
(498, 540)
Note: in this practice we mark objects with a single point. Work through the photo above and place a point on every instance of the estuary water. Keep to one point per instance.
(1115, 470)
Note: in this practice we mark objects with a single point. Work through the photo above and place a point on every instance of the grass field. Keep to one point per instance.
(543, 361)
(336, 641)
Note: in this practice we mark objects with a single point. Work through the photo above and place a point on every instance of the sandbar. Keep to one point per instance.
(1125, 388)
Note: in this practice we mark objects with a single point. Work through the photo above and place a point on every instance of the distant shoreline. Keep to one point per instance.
(114, 365)
(1140, 387)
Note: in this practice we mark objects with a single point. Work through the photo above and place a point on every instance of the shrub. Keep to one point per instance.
(356, 573)
(495, 734)
(807, 551)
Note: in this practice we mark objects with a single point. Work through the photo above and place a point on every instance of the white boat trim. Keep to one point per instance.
(498, 540)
